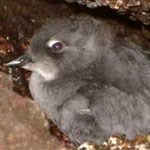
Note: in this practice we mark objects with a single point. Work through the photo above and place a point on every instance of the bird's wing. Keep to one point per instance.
(85, 128)
(119, 112)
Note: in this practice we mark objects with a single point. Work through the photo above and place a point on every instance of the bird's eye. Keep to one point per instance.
(56, 46)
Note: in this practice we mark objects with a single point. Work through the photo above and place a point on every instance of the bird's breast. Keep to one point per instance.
(51, 97)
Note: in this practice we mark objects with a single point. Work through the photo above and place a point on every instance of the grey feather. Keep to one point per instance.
(101, 84)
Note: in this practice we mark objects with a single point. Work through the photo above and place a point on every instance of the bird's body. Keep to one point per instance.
(97, 86)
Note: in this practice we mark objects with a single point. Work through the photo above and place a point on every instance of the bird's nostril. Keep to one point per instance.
(21, 60)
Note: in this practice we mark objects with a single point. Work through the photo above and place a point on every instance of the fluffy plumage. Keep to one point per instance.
(97, 86)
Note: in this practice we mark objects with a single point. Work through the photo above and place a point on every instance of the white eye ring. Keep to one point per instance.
(50, 43)
(56, 46)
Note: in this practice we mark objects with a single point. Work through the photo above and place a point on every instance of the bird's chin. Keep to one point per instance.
(43, 74)
(47, 76)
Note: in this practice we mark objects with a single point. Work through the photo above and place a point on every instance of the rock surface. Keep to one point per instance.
(135, 9)
(23, 126)
(119, 142)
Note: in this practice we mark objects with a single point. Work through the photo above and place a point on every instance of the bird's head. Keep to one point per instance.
(61, 47)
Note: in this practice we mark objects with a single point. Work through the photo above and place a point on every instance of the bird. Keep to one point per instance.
(88, 79)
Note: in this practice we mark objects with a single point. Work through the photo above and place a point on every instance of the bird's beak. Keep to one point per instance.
(21, 61)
